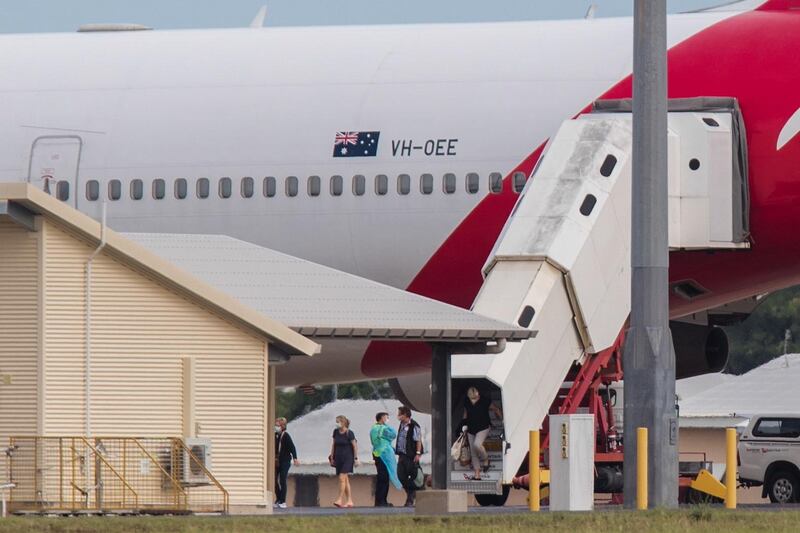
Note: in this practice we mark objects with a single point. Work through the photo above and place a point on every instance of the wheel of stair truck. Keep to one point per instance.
(493, 500)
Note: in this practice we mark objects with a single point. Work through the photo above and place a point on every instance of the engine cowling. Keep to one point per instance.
(699, 349)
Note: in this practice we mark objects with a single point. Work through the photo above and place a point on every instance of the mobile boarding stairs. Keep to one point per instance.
(561, 265)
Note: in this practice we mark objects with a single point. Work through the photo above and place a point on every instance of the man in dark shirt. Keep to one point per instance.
(409, 451)
(285, 454)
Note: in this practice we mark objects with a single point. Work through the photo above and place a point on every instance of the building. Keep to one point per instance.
(731, 401)
(101, 337)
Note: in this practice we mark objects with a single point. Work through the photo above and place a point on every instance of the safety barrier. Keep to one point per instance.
(110, 474)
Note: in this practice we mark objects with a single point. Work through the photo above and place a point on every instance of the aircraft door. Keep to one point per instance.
(54, 165)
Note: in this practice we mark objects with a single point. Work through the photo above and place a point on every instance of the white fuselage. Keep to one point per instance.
(475, 98)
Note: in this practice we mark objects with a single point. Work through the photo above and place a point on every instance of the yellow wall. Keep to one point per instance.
(19, 334)
(141, 330)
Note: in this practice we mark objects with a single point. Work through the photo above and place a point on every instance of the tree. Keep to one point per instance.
(293, 403)
(760, 337)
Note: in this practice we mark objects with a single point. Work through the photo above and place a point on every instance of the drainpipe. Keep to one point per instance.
(88, 326)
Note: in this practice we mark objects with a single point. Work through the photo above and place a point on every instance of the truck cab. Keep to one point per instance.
(769, 455)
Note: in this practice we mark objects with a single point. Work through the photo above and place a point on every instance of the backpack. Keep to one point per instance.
(419, 478)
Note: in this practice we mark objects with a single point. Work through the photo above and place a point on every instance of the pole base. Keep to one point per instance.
(433, 502)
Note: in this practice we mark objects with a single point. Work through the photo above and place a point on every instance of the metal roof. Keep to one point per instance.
(318, 301)
(769, 388)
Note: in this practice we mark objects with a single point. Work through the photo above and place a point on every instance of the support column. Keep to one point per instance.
(649, 360)
(440, 500)
(440, 417)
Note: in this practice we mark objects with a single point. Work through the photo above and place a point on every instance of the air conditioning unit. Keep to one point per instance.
(193, 465)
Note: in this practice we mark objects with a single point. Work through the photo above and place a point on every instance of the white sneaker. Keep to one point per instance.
(282, 505)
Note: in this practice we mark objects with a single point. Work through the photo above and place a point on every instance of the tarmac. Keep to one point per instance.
(506, 510)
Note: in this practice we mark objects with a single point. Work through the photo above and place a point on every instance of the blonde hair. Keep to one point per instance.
(343, 419)
(472, 393)
(281, 420)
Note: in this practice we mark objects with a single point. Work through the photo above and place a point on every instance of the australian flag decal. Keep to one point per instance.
(356, 144)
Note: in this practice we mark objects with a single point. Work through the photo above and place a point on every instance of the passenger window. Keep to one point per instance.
(788, 428)
(495, 183)
(426, 183)
(292, 186)
(519, 181)
(225, 187)
(337, 185)
(114, 190)
(381, 184)
(473, 182)
(159, 189)
(449, 183)
(314, 185)
(92, 190)
(181, 189)
(62, 190)
(203, 188)
(248, 187)
(359, 185)
(270, 187)
(137, 189)
(403, 184)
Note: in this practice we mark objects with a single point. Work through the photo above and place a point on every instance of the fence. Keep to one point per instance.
(110, 474)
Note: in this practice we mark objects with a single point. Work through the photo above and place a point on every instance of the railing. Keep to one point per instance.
(110, 474)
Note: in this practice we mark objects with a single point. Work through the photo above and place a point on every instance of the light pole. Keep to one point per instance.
(649, 360)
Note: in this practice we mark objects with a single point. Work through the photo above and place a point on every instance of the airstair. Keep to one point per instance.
(561, 266)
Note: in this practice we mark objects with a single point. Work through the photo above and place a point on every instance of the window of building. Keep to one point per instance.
(137, 189)
(449, 183)
(381, 184)
(248, 187)
(270, 186)
(426, 183)
(473, 182)
(92, 190)
(292, 185)
(159, 189)
(181, 189)
(495, 183)
(337, 185)
(225, 187)
(314, 185)
(203, 188)
(114, 190)
(359, 185)
(403, 184)
(62, 190)
(519, 180)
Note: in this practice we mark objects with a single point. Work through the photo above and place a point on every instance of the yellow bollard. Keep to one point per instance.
(730, 469)
(641, 468)
(534, 495)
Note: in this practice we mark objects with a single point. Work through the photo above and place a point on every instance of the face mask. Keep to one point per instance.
(338, 425)
(473, 401)
(277, 429)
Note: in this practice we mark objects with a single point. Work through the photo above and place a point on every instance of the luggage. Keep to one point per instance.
(460, 450)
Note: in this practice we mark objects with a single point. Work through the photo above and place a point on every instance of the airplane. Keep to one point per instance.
(393, 152)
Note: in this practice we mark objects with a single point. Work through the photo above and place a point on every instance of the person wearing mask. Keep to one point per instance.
(409, 451)
(477, 423)
(343, 457)
(285, 454)
(381, 436)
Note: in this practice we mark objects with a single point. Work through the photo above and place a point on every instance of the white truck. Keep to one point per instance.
(769, 456)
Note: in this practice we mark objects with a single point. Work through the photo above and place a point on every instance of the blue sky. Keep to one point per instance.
(67, 15)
